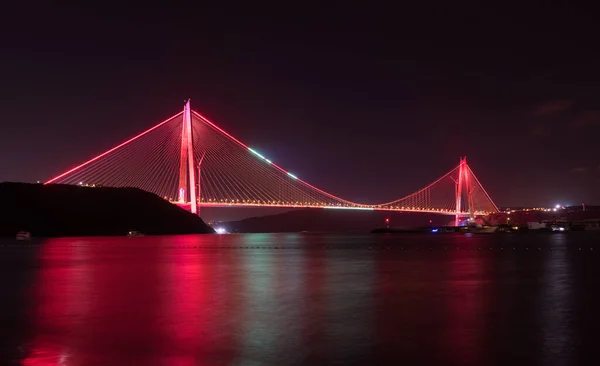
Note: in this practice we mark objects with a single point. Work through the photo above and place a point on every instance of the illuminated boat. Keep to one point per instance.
(134, 234)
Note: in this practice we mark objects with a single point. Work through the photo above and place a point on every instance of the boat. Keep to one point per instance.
(558, 228)
(134, 234)
(23, 235)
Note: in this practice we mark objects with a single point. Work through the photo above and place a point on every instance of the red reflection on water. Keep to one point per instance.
(60, 299)
(313, 309)
(184, 277)
(123, 301)
(197, 284)
(465, 318)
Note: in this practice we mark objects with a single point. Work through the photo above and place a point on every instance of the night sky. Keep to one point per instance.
(366, 102)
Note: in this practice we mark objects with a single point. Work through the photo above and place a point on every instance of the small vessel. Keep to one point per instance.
(558, 228)
(23, 235)
(134, 234)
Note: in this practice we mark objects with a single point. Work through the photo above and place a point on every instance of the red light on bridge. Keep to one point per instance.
(387, 220)
(248, 182)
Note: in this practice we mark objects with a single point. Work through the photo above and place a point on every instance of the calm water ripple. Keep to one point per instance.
(302, 299)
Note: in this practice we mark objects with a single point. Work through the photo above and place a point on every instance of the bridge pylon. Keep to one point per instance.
(464, 185)
(187, 181)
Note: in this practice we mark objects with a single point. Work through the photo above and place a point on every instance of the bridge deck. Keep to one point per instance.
(364, 208)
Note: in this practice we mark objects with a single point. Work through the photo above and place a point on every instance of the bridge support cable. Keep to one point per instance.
(149, 161)
(235, 174)
(457, 193)
(169, 158)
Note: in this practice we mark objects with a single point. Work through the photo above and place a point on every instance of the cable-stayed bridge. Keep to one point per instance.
(190, 161)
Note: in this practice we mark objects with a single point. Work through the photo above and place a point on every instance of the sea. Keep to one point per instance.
(302, 299)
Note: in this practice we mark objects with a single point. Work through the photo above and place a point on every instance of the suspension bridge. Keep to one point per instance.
(191, 162)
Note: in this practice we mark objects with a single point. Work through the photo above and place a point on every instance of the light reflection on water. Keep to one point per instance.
(296, 299)
(556, 292)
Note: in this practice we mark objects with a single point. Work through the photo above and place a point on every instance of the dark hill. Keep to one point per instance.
(64, 210)
(328, 220)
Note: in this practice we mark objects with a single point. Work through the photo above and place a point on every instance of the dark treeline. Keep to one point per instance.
(63, 210)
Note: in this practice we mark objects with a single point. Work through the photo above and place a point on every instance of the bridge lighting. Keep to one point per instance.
(350, 208)
(256, 153)
(257, 185)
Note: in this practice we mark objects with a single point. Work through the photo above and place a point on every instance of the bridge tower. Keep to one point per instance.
(459, 185)
(187, 181)
(465, 183)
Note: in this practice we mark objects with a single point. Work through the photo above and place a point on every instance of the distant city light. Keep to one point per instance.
(80, 183)
(557, 206)
(434, 230)
(220, 230)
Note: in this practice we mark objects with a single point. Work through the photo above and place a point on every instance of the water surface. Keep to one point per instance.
(301, 299)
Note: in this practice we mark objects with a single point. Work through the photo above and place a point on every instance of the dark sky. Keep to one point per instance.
(366, 102)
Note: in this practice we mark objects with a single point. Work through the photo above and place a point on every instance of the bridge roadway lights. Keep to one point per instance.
(443, 195)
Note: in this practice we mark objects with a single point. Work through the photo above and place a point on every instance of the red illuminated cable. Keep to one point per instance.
(428, 186)
(134, 152)
(111, 150)
(169, 178)
(483, 189)
(154, 179)
(236, 186)
(241, 184)
(128, 160)
(226, 176)
(275, 165)
(96, 167)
